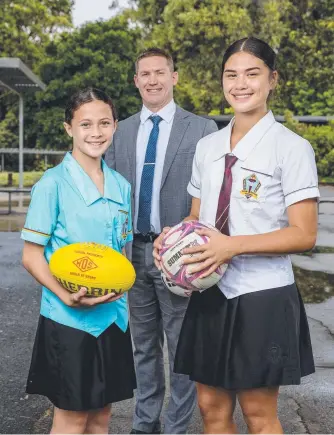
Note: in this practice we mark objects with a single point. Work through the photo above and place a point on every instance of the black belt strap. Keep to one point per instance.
(146, 238)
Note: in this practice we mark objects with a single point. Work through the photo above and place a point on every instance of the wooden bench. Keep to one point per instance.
(10, 191)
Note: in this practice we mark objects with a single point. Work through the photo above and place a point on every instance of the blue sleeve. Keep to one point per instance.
(42, 214)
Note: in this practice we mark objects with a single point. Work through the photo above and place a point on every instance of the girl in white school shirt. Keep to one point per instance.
(249, 335)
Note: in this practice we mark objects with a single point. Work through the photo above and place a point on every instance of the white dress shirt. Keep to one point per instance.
(167, 114)
(275, 168)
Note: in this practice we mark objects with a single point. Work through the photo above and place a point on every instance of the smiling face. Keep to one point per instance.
(155, 82)
(247, 82)
(92, 128)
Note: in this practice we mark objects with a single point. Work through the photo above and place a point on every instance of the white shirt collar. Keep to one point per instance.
(167, 112)
(245, 146)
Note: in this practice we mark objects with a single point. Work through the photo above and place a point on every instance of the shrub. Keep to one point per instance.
(321, 137)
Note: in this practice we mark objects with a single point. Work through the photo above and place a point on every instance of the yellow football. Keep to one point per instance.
(99, 268)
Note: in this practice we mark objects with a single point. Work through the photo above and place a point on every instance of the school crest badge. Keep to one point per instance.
(125, 229)
(125, 224)
(251, 185)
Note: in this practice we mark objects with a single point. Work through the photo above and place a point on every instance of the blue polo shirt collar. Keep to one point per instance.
(86, 186)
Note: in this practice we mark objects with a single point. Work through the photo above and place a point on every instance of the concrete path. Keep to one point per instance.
(321, 262)
(318, 262)
(326, 219)
(303, 409)
(308, 408)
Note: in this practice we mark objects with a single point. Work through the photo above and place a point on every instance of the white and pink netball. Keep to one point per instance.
(183, 236)
(176, 289)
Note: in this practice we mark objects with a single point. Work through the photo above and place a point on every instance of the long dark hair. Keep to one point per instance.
(86, 96)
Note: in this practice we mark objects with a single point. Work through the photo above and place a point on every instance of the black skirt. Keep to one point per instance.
(259, 339)
(79, 372)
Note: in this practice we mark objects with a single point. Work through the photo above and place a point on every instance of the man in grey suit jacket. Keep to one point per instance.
(154, 150)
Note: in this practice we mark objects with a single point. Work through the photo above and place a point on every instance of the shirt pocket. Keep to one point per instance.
(250, 191)
(252, 183)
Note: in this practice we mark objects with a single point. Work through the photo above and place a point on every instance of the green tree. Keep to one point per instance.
(197, 32)
(307, 58)
(98, 54)
(25, 29)
(26, 26)
(147, 12)
(322, 140)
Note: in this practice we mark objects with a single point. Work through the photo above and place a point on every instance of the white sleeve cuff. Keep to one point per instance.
(300, 195)
(193, 191)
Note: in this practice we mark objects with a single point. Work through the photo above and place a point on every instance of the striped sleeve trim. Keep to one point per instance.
(35, 232)
(301, 195)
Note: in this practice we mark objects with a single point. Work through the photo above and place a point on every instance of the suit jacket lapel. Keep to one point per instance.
(131, 141)
(179, 127)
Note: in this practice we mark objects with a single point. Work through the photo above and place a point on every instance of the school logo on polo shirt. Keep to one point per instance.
(125, 224)
(251, 185)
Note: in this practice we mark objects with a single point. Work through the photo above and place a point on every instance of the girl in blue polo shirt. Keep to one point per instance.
(82, 357)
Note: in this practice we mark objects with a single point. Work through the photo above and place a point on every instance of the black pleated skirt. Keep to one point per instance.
(256, 340)
(79, 372)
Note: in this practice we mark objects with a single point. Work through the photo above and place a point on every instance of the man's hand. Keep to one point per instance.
(80, 299)
(157, 246)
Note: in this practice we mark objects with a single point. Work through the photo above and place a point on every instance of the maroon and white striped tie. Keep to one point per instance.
(225, 195)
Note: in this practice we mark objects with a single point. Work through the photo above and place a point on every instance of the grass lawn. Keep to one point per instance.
(326, 180)
(319, 250)
(314, 286)
(29, 178)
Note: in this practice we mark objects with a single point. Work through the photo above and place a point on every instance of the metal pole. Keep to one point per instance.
(21, 143)
(3, 162)
(21, 139)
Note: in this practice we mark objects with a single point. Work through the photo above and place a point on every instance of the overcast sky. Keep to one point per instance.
(92, 10)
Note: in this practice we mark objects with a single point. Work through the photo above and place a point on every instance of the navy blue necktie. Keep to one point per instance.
(146, 183)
